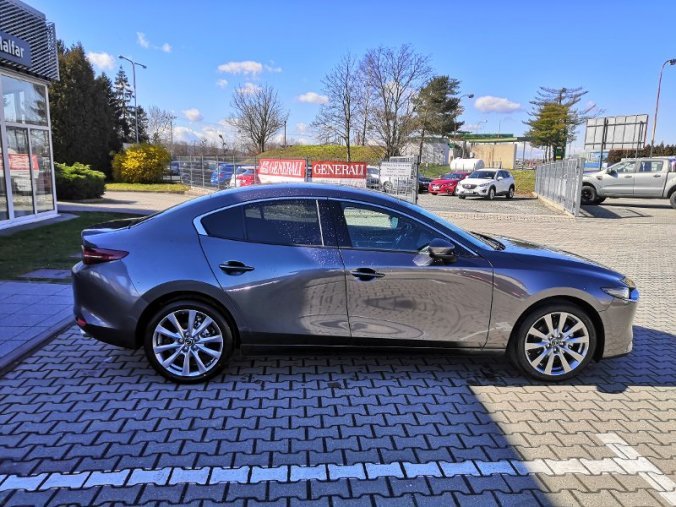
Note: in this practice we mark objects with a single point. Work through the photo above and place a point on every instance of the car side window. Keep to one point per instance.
(283, 222)
(226, 224)
(624, 167)
(378, 229)
(647, 166)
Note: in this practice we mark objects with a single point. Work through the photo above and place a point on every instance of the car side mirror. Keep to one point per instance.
(442, 250)
(499, 178)
(612, 172)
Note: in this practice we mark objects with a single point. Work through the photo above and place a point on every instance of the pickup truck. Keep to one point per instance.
(653, 177)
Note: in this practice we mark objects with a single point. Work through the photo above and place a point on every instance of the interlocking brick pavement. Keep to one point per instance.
(84, 422)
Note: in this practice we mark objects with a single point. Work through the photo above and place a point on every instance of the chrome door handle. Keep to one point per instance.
(657, 175)
(366, 274)
(628, 176)
(235, 267)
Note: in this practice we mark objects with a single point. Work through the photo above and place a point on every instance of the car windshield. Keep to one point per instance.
(482, 175)
(452, 176)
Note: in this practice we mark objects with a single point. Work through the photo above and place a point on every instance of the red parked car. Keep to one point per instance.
(246, 178)
(447, 183)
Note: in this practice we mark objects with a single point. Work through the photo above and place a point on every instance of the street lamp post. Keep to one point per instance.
(468, 96)
(657, 102)
(133, 73)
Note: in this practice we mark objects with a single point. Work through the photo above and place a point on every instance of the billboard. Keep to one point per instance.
(339, 173)
(272, 170)
(616, 133)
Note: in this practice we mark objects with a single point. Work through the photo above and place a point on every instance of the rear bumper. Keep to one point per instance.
(617, 322)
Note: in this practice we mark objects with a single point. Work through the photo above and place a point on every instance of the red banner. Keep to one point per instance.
(338, 170)
(290, 168)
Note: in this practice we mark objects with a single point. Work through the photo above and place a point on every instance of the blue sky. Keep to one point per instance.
(505, 50)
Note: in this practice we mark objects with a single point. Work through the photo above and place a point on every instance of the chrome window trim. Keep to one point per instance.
(197, 221)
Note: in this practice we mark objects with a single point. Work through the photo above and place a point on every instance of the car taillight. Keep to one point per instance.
(93, 255)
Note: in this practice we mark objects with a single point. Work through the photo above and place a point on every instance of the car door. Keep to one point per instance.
(395, 292)
(277, 262)
(618, 180)
(504, 182)
(649, 179)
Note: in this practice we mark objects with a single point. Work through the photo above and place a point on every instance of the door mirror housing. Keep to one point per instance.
(500, 178)
(442, 250)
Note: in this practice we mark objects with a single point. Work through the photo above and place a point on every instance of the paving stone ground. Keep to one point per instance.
(364, 428)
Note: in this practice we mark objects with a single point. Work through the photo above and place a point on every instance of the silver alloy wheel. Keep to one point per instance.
(557, 343)
(187, 343)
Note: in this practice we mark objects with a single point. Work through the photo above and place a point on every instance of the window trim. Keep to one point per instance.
(341, 228)
(201, 231)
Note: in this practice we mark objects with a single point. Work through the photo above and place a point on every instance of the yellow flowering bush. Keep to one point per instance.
(141, 163)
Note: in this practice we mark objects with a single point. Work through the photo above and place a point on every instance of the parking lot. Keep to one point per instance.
(84, 422)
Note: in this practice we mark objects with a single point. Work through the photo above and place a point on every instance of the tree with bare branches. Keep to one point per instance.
(160, 126)
(394, 76)
(258, 114)
(337, 118)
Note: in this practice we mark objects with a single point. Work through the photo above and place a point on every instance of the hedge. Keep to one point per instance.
(78, 181)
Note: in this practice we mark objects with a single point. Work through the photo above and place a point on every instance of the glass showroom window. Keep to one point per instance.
(28, 146)
(4, 211)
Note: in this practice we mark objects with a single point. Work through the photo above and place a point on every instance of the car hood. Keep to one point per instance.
(477, 181)
(548, 254)
(442, 181)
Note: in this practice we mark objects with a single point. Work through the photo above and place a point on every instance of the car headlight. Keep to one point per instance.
(627, 291)
(484, 184)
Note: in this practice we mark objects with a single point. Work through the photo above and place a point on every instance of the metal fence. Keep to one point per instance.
(560, 183)
(217, 173)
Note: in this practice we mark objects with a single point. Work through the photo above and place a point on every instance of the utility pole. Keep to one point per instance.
(133, 72)
(284, 133)
(657, 102)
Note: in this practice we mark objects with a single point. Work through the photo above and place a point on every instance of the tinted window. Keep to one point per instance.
(290, 222)
(483, 175)
(646, 166)
(623, 167)
(226, 224)
(378, 229)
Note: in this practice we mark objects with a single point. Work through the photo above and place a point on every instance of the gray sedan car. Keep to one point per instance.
(320, 265)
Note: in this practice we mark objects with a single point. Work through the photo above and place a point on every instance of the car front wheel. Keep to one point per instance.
(491, 194)
(589, 195)
(554, 343)
(188, 341)
(672, 200)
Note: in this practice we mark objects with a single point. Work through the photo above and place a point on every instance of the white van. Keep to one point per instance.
(466, 165)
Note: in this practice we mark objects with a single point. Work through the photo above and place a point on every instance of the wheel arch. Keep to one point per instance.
(671, 190)
(178, 295)
(589, 309)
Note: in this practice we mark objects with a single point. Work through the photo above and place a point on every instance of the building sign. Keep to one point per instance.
(340, 173)
(396, 170)
(14, 49)
(272, 170)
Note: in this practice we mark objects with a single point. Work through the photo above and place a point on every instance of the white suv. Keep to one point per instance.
(487, 183)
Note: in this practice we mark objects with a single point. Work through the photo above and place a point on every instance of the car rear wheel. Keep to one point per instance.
(491, 194)
(188, 341)
(554, 343)
(589, 195)
(672, 200)
(510, 193)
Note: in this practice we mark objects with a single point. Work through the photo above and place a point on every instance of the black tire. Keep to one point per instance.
(522, 359)
(491, 194)
(433, 193)
(219, 324)
(599, 200)
(589, 195)
(461, 196)
(672, 200)
(510, 193)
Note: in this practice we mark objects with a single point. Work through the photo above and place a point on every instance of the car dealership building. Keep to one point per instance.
(28, 63)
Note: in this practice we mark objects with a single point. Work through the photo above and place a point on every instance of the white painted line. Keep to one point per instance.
(633, 463)
(627, 462)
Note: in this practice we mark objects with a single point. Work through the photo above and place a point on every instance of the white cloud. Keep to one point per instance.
(166, 47)
(244, 67)
(272, 68)
(301, 127)
(490, 104)
(313, 98)
(142, 40)
(249, 88)
(222, 83)
(209, 132)
(193, 114)
(102, 61)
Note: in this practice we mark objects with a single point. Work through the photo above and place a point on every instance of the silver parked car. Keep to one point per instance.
(323, 265)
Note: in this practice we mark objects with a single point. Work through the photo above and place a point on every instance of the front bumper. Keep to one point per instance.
(481, 191)
(617, 322)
